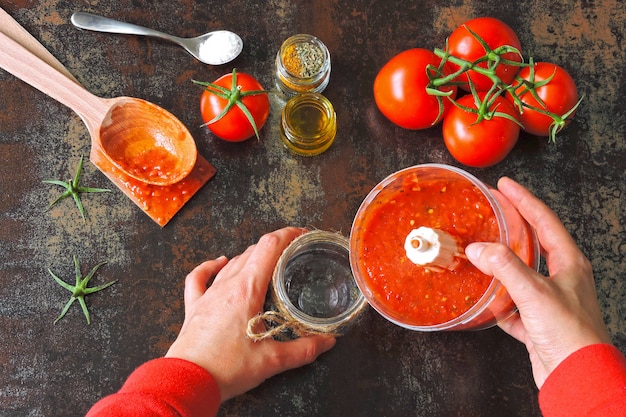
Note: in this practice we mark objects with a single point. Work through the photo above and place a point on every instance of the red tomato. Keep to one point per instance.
(495, 33)
(234, 126)
(484, 143)
(559, 96)
(400, 90)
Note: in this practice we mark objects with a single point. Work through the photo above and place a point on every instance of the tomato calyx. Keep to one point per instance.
(558, 121)
(234, 96)
(487, 108)
(529, 86)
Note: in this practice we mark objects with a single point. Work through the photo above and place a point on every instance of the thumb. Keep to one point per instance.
(499, 261)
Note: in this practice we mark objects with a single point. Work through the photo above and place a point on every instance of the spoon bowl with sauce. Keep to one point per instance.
(140, 138)
(213, 48)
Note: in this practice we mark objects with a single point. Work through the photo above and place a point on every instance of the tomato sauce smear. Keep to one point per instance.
(420, 295)
(154, 163)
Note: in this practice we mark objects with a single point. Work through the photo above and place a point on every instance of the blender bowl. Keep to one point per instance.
(407, 249)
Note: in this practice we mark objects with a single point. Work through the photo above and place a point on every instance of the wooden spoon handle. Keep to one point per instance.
(19, 34)
(22, 63)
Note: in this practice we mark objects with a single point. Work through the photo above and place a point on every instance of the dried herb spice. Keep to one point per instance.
(303, 59)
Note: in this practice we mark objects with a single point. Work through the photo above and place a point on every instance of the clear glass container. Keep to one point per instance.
(302, 65)
(308, 124)
(313, 283)
(481, 310)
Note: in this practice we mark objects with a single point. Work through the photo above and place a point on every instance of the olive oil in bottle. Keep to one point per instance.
(308, 124)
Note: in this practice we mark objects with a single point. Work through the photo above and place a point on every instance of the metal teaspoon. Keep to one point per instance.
(213, 48)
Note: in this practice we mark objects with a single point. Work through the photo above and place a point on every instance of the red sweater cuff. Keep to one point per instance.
(163, 387)
(590, 382)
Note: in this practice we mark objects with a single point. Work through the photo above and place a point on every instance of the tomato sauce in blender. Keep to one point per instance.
(420, 295)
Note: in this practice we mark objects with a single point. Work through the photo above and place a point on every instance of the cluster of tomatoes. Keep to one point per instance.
(481, 90)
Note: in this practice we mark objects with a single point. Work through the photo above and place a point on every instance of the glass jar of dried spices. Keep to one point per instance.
(302, 65)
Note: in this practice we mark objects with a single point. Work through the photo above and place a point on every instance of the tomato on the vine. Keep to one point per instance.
(557, 91)
(400, 90)
(225, 102)
(485, 142)
(495, 33)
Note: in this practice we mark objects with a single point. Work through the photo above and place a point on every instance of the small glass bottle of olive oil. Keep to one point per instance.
(308, 124)
(302, 65)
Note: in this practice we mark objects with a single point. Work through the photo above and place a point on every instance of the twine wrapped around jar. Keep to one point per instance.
(288, 321)
(280, 325)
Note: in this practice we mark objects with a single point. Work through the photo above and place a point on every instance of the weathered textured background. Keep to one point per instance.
(377, 369)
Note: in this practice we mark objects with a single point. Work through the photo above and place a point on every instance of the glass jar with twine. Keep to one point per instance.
(313, 290)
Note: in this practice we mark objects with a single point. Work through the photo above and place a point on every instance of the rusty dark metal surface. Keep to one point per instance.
(377, 369)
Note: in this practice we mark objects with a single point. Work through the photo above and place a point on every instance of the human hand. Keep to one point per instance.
(213, 334)
(558, 314)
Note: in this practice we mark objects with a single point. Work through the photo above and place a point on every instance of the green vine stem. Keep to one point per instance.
(484, 110)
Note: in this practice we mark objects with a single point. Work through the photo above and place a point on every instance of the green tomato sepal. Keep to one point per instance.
(234, 96)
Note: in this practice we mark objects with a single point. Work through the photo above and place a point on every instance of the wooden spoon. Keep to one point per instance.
(15, 31)
(140, 138)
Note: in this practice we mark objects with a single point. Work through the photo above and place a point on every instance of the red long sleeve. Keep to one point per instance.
(589, 383)
(163, 387)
